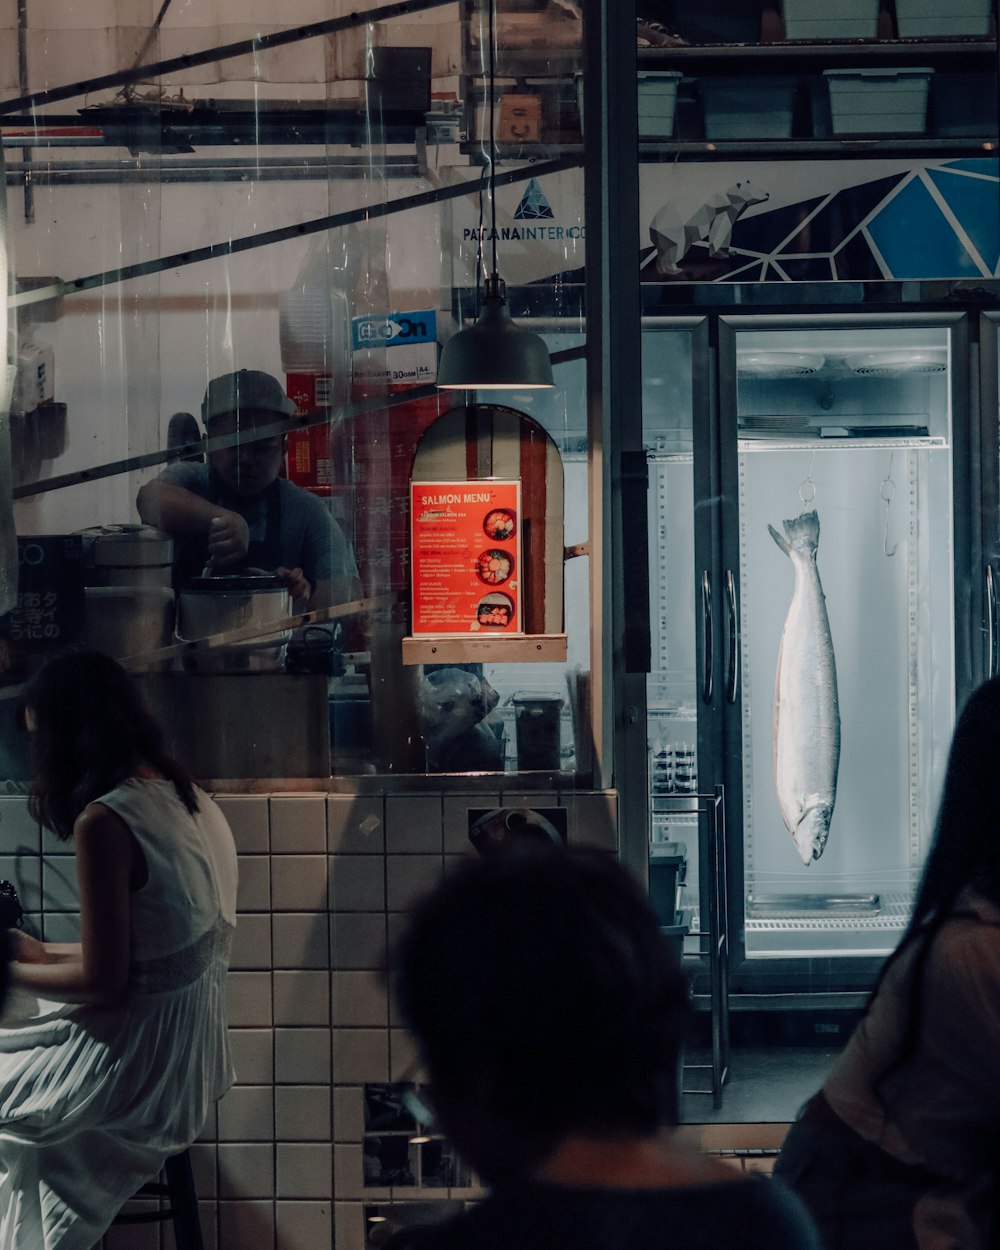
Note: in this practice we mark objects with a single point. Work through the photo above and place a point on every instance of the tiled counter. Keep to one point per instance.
(324, 883)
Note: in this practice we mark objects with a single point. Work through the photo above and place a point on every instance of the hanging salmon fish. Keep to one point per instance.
(806, 730)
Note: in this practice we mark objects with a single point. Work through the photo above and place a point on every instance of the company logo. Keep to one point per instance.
(395, 330)
(533, 203)
(533, 222)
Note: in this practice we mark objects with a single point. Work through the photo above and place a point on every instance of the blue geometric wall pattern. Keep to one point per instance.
(915, 239)
(972, 200)
(924, 222)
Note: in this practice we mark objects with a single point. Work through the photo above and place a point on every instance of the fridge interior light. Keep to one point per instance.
(897, 363)
(780, 364)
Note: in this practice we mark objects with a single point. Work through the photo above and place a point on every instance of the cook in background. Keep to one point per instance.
(901, 1146)
(236, 514)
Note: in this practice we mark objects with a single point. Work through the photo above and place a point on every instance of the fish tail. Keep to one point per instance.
(778, 538)
(802, 531)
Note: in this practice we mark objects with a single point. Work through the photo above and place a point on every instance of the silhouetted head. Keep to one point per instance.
(244, 403)
(90, 729)
(545, 1002)
(966, 847)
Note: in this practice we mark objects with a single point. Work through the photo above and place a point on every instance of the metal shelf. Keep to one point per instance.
(814, 56)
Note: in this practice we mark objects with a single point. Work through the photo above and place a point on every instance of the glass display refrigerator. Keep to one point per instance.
(815, 525)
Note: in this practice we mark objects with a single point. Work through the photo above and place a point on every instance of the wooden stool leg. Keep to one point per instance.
(184, 1202)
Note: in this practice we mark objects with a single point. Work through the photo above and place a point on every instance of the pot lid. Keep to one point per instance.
(130, 545)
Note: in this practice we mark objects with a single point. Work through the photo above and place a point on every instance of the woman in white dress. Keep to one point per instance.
(112, 1049)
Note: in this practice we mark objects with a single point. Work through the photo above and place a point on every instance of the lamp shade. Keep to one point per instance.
(495, 354)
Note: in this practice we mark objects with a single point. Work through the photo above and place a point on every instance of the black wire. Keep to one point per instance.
(491, 32)
(151, 33)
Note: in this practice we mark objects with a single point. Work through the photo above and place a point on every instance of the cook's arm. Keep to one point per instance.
(179, 511)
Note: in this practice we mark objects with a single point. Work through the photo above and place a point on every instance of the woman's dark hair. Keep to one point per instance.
(92, 729)
(965, 850)
(545, 1002)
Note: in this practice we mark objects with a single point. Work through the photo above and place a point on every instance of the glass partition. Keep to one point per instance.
(235, 250)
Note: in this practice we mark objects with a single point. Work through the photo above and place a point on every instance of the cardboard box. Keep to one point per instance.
(519, 118)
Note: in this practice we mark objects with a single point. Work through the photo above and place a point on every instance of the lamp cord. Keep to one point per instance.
(491, 35)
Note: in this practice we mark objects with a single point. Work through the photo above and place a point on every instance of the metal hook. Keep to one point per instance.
(807, 490)
(887, 492)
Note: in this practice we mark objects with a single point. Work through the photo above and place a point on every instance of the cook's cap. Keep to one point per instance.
(247, 388)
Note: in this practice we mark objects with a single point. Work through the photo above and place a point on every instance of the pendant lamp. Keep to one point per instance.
(495, 353)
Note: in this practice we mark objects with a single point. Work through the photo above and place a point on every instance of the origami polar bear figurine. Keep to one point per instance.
(713, 221)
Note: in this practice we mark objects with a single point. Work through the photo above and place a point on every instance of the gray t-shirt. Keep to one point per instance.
(288, 526)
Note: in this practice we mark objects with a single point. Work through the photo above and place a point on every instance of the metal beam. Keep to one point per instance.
(265, 238)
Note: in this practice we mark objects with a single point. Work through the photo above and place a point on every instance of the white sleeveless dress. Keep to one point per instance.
(94, 1099)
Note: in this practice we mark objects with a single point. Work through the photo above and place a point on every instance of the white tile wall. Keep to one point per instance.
(325, 881)
(253, 1055)
(357, 940)
(359, 999)
(298, 883)
(246, 1170)
(407, 877)
(356, 826)
(305, 1225)
(302, 997)
(302, 1055)
(304, 1170)
(413, 824)
(357, 883)
(302, 1113)
(252, 942)
(248, 818)
(301, 940)
(298, 824)
(19, 833)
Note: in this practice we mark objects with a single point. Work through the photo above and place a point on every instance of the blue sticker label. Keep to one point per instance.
(404, 329)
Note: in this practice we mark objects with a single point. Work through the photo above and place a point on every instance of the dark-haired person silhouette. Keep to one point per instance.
(900, 1150)
(113, 1048)
(549, 1010)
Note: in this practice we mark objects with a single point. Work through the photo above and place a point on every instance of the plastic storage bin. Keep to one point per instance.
(920, 19)
(537, 717)
(658, 103)
(831, 19)
(667, 866)
(878, 101)
(747, 108)
(676, 933)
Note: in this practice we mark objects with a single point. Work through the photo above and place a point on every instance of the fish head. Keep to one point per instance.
(812, 831)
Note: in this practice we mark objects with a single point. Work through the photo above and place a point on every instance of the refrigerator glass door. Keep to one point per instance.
(668, 354)
(846, 566)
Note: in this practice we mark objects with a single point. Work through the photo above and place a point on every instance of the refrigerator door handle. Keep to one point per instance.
(707, 632)
(991, 623)
(733, 636)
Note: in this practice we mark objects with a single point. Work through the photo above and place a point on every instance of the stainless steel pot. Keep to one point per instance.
(128, 620)
(128, 555)
(216, 605)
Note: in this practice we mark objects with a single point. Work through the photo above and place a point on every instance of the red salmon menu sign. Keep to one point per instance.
(466, 557)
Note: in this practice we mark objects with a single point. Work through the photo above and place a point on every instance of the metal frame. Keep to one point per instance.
(967, 606)
(713, 938)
